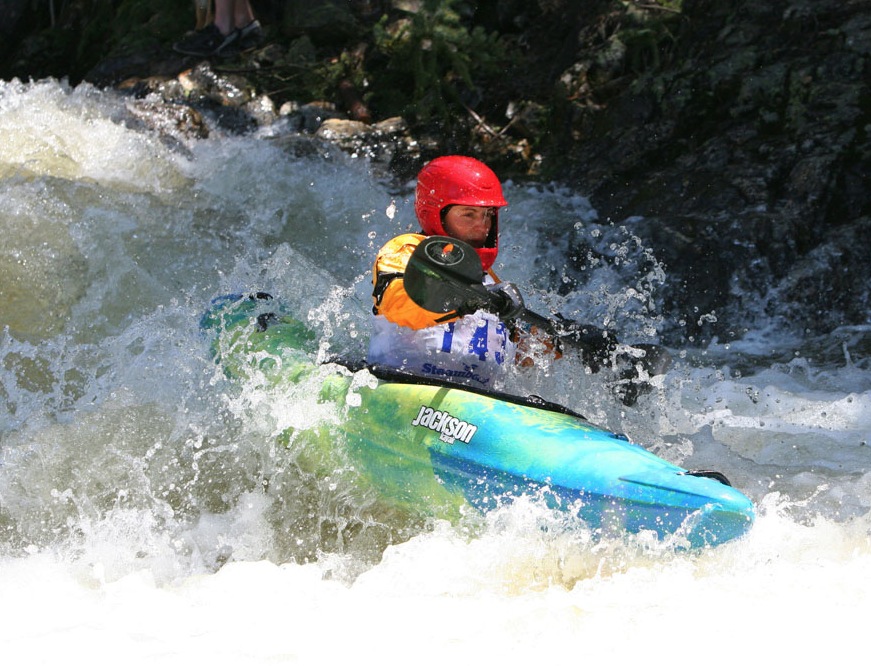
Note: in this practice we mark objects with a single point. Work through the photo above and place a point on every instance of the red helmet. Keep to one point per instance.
(455, 179)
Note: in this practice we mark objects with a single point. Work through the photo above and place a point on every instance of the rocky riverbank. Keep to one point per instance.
(730, 136)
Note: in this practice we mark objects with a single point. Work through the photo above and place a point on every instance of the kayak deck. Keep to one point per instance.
(491, 450)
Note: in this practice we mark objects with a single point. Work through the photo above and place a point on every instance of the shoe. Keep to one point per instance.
(249, 36)
(206, 42)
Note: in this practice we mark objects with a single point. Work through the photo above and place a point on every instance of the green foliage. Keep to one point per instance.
(649, 38)
(433, 60)
(323, 80)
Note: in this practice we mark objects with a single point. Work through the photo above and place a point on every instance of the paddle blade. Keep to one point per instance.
(444, 275)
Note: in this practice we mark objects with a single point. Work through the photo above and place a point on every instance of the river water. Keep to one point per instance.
(150, 513)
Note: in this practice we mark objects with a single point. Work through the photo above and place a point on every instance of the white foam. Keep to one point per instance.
(153, 511)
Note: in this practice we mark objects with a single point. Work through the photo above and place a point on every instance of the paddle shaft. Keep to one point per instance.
(445, 275)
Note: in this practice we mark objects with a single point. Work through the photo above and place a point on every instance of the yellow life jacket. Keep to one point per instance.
(389, 296)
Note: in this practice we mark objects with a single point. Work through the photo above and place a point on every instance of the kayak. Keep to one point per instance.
(432, 445)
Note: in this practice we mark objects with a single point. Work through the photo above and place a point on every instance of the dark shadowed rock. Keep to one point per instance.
(744, 160)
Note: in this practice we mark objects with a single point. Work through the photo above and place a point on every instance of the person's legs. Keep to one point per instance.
(224, 14)
(204, 14)
(215, 37)
(243, 15)
(250, 34)
(234, 26)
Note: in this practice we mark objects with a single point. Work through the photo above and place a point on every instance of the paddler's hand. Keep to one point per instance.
(505, 300)
(596, 344)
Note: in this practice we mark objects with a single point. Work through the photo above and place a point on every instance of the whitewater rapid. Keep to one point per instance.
(150, 513)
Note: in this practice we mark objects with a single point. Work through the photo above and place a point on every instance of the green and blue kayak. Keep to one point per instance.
(432, 445)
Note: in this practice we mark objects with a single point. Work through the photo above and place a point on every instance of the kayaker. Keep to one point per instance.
(459, 197)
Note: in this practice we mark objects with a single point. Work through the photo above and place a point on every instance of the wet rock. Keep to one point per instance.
(387, 142)
(739, 163)
(828, 287)
(175, 120)
(309, 117)
(353, 102)
(261, 110)
(203, 84)
(148, 62)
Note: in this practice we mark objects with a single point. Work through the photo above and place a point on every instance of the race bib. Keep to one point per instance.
(471, 350)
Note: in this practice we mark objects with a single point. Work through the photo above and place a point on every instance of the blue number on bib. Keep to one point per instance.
(502, 333)
(478, 342)
(448, 338)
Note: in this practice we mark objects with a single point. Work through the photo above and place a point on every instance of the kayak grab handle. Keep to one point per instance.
(710, 474)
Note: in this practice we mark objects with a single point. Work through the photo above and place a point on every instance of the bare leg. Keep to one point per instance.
(232, 14)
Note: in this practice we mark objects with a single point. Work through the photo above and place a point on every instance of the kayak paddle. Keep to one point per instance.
(445, 275)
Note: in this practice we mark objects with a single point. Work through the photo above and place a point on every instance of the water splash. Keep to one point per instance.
(139, 488)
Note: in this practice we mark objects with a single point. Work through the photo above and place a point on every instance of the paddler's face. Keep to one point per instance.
(471, 224)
